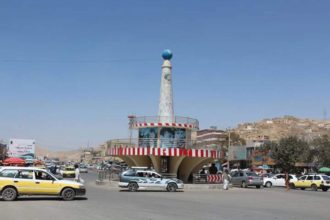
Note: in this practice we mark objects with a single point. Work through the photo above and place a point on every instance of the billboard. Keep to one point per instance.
(21, 148)
(148, 137)
(164, 137)
(237, 153)
(172, 138)
(262, 157)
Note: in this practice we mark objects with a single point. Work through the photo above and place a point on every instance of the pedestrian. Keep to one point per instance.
(76, 173)
(226, 179)
(213, 169)
(203, 176)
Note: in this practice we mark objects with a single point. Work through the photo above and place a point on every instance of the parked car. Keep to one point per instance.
(314, 181)
(277, 180)
(83, 169)
(16, 181)
(134, 179)
(266, 175)
(245, 179)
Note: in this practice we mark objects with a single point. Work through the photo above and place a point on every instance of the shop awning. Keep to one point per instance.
(324, 170)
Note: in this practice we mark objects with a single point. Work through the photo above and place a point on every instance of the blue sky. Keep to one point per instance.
(71, 71)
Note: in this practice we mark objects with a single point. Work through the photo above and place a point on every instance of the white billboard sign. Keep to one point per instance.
(21, 148)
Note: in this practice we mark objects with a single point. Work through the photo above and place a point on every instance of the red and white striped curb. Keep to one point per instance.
(154, 151)
(214, 178)
(161, 124)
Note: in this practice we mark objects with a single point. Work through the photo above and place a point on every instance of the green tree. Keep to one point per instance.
(235, 139)
(287, 152)
(320, 151)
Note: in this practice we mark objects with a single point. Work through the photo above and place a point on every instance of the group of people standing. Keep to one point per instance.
(214, 170)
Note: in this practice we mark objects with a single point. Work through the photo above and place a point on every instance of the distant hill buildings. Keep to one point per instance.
(277, 128)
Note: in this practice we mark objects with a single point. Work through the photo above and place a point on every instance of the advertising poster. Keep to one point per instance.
(148, 137)
(261, 157)
(21, 148)
(172, 138)
(237, 153)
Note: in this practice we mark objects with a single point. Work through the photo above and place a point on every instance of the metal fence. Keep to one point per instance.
(176, 119)
(107, 175)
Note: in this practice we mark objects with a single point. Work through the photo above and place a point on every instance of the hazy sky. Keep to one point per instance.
(71, 71)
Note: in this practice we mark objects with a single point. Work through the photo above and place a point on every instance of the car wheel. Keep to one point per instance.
(268, 184)
(171, 187)
(302, 188)
(324, 189)
(314, 187)
(133, 187)
(68, 194)
(243, 185)
(9, 194)
(258, 186)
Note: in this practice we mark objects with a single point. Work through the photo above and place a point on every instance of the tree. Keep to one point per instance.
(288, 152)
(320, 151)
(235, 139)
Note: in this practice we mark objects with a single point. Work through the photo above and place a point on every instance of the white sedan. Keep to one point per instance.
(278, 180)
(136, 180)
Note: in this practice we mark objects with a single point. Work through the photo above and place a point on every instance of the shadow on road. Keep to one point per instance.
(162, 191)
(44, 199)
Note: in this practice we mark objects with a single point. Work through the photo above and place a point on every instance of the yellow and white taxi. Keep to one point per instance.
(68, 171)
(16, 181)
(313, 181)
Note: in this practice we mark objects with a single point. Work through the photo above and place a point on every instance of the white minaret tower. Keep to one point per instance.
(166, 112)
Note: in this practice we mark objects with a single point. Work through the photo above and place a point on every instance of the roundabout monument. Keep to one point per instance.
(165, 142)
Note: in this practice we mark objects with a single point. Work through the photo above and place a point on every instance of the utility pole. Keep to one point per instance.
(228, 167)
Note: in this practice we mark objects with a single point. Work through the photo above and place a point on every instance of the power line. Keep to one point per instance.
(77, 61)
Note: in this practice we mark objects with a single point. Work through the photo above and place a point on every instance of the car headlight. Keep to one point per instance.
(81, 187)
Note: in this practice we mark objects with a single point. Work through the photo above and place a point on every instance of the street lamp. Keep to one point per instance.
(228, 130)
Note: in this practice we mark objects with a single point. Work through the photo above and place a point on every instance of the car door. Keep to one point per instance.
(155, 181)
(274, 179)
(7, 177)
(301, 181)
(142, 179)
(280, 180)
(234, 179)
(23, 181)
(309, 181)
(46, 184)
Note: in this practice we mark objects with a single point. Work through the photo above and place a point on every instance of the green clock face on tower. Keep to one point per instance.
(167, 77)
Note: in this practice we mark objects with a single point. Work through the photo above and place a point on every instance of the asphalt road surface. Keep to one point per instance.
(104, 202)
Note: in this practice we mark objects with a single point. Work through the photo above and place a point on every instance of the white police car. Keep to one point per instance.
(134, 180)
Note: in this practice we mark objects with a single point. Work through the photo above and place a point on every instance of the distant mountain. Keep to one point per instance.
(277, 128)
(72, 155)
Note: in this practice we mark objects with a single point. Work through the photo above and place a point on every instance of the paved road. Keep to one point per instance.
(105, 202)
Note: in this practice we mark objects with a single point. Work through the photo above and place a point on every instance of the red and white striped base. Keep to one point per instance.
(153, 151)
(214, 178)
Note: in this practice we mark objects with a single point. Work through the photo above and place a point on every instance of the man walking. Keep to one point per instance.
(225, 178)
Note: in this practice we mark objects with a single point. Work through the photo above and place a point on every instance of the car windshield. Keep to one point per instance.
(69, 169)
(251, 174)
(326, 177)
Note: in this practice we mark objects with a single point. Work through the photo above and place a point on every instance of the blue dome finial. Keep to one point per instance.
(167, 54)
